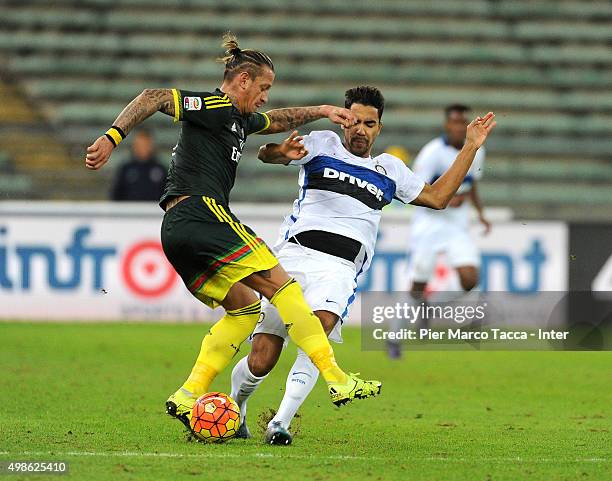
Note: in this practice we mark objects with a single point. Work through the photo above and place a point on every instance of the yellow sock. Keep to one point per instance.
(306, 331)
(220, 345)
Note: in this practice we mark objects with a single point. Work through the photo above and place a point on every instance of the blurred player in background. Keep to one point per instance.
(222, 261)
(447, 231)
(329, 239)
(142, 177)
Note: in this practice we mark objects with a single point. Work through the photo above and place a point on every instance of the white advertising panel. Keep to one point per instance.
(515, 257)
(106, 262)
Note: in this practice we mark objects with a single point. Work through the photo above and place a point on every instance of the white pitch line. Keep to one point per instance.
(187, 455)
(134, 454)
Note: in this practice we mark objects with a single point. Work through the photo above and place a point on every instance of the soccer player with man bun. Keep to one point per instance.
(222, 261)
(328, 240)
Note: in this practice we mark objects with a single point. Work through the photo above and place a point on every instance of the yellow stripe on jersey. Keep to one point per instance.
(216, 106)
(212, 97)
(216, 100)
(267, 123)
(177, 105)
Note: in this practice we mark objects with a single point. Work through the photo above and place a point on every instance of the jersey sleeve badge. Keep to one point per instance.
(192, 103)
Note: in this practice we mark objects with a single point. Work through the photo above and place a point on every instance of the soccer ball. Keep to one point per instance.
(215, 417)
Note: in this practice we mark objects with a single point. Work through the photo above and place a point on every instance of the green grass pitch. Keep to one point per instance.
(93, 395)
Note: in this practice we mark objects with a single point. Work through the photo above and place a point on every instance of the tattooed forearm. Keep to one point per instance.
(282, 120)
(143, 106)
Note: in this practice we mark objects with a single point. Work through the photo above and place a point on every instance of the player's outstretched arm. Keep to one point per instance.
(283, 120)
(142, 107)
(439, 194)
(283, 153)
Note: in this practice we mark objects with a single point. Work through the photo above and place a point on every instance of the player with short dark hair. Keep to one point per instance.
(433, 233)
(328, 240)
(220, 260)
(456, 108)
(365, 95)
(451, 226)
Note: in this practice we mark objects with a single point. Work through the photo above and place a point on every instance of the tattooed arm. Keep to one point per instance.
(145, 105)
(142, 107)
(282, 120)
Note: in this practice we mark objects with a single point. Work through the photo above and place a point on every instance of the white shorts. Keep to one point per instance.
(328, 282)
(427, 243)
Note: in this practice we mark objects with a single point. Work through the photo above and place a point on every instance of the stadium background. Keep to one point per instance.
(67, 68)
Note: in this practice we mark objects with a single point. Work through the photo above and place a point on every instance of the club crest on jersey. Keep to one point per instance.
(192, 103)
(329, 173)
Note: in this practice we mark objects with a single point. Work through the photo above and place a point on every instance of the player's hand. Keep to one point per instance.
(479, 129)
(485, 223)
(292, 147)
(339, 115)
(98, 153)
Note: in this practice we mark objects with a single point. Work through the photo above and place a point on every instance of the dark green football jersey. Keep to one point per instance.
(213, 134)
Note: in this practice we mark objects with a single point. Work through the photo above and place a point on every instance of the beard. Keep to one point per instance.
(359, 146)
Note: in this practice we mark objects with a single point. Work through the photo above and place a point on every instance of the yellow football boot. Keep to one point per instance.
(179, 406)
(354, 388)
